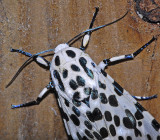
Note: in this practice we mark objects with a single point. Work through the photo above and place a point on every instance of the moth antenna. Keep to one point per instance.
(96, 28)
(24, 64)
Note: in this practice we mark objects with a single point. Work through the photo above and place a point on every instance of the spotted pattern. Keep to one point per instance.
(80, 81)
(120, 138)
(76, 103)
(108, 116)
(117, 120)
(113, 101)
(129, 138)
(117, 88)
(71, 53)
(87, 91)
(73, 84)
(103, 98)
(104, 132)
(83, 63)
(94, 94)
(57, 61)
(65, 73)
(131, 118)
(75, 120)
(88, 134)
(104, 73)
(66, 103)
(76, 96)
(149, 137)
(60, 83)
(155, 125)
(90, 116)
(97, 136)
(79, 136)
(75, 68)
(97, 114)
(139, 115)
(76, 111)
(112, 130)
(88, 125)
(101, 85)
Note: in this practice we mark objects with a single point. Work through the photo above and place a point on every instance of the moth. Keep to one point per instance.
(92, 104)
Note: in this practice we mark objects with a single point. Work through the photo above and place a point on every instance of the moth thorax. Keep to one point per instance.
(61, 47)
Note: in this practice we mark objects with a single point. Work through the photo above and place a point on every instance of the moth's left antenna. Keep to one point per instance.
(24, 64)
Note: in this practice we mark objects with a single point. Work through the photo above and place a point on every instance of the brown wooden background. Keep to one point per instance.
(37, 25)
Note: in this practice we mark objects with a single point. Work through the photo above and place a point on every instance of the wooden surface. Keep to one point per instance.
(39, 25)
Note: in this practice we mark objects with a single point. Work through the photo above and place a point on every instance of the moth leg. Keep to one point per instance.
(40, 97)
(106, 62)
(145, 98)
(38, 59)
(86, 37)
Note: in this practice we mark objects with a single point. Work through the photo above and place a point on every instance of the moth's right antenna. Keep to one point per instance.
(96, 28)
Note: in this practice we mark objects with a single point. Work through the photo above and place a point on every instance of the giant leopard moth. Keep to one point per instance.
(92, 104)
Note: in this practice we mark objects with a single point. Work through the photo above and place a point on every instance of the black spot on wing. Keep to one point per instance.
(139, 123)
(90, 116)
(97, 114)
(76, 103)
(87, 91)
(129, 138)
(108, 116)
(94, 94)
(139, 115)
(80, 81)
(117, 88)
(66, 102)
(83, 63)
(76, 96)
(149, 137)
(73, 84)
(97, 135)
(71, 53)
(88, 125)
(104, 73)
(155, 125)
(86, 101)
(85, 138)
(93, 64)
(137, 132)
(75, 120)
(88, 134)
(57, 76)
(127, 123)
(76, 111)
(65, 73)
(117, 120)
(104, 132)
(113, 101)
(103, 98)
(112, 130)
(64, 115)
(57, 61)
(75, 68)
(131, 117)
(120, 138)
(101, 85)
(139, 107)
(79, 136)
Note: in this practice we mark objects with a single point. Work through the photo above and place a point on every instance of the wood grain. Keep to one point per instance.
(39, 25)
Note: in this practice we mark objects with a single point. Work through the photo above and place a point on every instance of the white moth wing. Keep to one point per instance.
(144, 121)
(111, 111)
